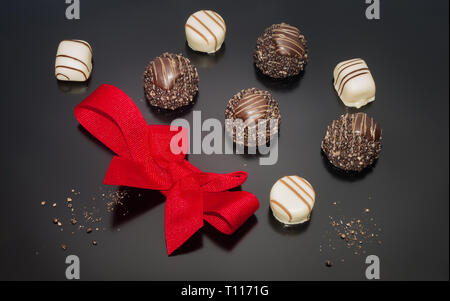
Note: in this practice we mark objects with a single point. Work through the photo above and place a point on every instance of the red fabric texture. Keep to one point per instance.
(144, 160)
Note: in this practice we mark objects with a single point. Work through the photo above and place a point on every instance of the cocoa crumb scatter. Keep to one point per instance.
(359, 235)
(90, 219)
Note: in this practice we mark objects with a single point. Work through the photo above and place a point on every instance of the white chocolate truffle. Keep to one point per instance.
(73, 61)
(292, 199)
(205, 31)
(354, 83)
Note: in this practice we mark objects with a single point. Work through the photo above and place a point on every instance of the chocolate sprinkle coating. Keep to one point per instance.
(277, 61)
(353, 142)
(256, 108)
(174, 90)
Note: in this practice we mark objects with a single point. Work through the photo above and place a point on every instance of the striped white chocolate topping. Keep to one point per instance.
(73, 61)
(292, 199)
(354, 83)
(205, 31)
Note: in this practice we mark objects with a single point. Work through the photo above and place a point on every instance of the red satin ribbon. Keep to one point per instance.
(144, 160)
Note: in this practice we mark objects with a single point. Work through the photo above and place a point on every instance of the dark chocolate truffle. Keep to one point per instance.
(281, 51)
(252, 117)
(353, 142)
(170, 81)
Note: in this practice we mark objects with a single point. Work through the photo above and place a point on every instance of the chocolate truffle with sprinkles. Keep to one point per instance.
(353, 142)
(252, 117)
(281, 51)
(170, 81)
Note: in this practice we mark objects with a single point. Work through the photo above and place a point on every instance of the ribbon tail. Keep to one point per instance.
(183, 216)
(227, 211)
(213, 182)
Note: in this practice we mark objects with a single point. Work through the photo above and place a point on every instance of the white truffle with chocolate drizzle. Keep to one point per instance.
(73, 61)
(205, 31)
(292, 199)
(354, 83)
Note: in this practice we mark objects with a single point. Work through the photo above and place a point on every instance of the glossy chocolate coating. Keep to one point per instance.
(166, 71)
(287, 39)
(251, 108)
(362, 124)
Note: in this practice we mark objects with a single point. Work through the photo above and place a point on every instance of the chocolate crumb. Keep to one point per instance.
(357, 234)
(89, 230)
(64, 247)
(55, 220)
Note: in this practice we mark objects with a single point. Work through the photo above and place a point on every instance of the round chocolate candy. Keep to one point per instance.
(292, 199)
(170, 81)
(205, 31)
(281, 51)
(353, 142)
(252, 117)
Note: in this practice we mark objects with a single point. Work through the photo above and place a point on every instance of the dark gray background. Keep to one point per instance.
(45, 153)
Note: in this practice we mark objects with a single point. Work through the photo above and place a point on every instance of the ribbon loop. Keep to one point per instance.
(116, 122)
(149, 157)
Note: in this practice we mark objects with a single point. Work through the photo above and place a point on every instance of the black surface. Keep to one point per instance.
(45, 153)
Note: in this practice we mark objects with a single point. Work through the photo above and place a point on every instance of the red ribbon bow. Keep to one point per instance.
(144, 160)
